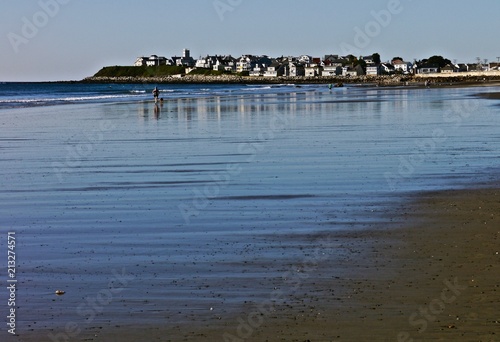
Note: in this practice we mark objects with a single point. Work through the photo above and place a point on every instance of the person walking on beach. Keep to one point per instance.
(156, 93)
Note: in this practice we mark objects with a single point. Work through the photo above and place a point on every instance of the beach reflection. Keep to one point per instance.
(157, 111)
(377, 104)
(144, 110)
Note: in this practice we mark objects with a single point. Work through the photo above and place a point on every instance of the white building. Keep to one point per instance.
(313, 71)
(156, 60)
(152, 60)
(329, 70)
(305, 59)
(296, 69)
(428, 70)
(404, 67)
(246, 63)
(141, 61)
(186, 59)
(373, 70)
(274, 70)
(207, 62)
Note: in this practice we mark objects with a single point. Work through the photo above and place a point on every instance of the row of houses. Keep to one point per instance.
(155, 60)
(461, 67)
(305, 65)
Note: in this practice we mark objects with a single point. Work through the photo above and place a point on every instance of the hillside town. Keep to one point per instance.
(309, 66)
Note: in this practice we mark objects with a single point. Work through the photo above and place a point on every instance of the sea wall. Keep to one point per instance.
(393, 80)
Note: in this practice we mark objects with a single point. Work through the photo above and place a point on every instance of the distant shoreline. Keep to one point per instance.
(418, 80)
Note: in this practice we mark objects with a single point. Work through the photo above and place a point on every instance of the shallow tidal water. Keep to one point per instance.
(180, 196)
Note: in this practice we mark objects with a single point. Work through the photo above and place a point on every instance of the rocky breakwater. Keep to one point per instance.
(181, 79)
(386, 80)
(458, 79)
(236, 79)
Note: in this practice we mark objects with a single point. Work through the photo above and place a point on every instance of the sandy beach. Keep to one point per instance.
(433, 276)
(255, 214)
(430, 273)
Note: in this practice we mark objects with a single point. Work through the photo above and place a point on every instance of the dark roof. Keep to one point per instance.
(428, 66)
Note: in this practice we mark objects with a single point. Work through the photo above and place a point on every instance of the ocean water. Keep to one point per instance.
(96, 179)
(17, 95)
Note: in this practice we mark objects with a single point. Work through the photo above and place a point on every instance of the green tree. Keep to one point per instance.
(376, 58)
(360, 62)
(436, 60)
(351, 59)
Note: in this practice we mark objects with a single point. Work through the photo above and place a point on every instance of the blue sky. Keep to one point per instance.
(72, 39)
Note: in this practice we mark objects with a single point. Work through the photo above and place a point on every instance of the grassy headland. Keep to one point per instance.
(141, 71)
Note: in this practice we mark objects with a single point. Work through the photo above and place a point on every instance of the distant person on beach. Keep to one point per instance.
(156, 93)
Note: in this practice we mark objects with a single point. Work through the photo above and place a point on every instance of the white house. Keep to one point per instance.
(246, 63)
(329, 70)
(494, 66)
(274, 70)
(227, 63)
(305, 59)
(313, 71)
(258, 70)
(219, 65)
(140, 61)
(449, 69)
(207, 62)
(203, 62)
(373, 70)
(428, 70)
(386, 68)
(296, 69)
(152, 60)
(349, 71)
(404, 67)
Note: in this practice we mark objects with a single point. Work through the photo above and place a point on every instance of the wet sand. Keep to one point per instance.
(490, 96)
(302, 244)
(429, 273)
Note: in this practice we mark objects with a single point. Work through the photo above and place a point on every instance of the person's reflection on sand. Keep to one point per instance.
(157, 111)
